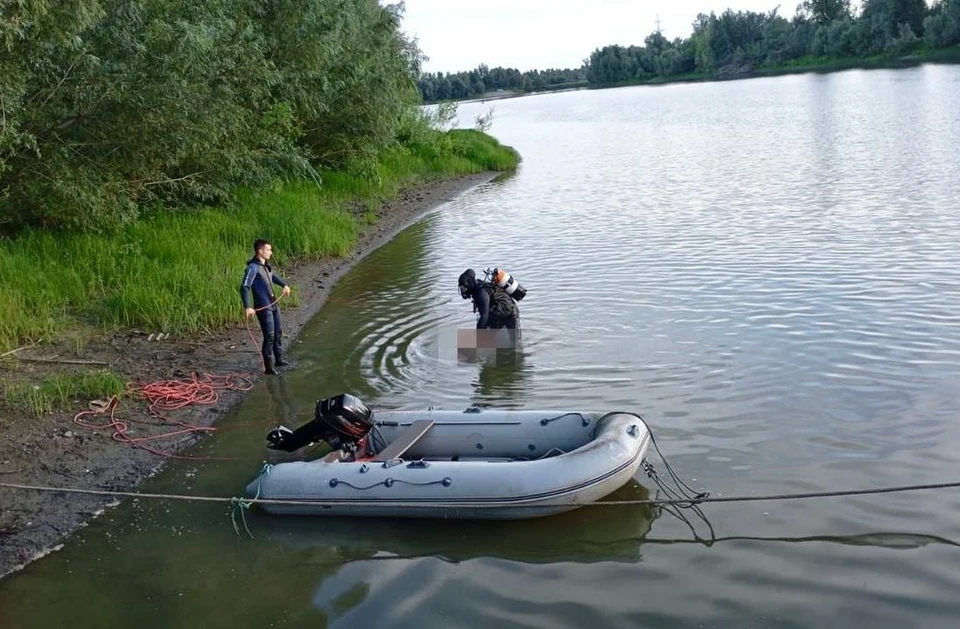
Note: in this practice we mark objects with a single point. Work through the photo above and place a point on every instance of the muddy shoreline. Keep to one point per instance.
(54, 451)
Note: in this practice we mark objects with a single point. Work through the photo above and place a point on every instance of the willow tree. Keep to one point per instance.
(110, 107)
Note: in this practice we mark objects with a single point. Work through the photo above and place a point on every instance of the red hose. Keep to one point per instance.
(167, 395)
(170, 395)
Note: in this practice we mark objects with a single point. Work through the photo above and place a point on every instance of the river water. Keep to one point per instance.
(768, 271)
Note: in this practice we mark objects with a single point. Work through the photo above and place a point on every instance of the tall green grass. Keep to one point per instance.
(180, 270)
(59, 391)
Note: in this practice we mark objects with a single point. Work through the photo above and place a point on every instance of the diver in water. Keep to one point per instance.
(496, 308)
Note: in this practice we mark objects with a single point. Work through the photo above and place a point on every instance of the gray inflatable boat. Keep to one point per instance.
(472, 464)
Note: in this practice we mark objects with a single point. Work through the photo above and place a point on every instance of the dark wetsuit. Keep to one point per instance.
(258, 278)
(489, 317)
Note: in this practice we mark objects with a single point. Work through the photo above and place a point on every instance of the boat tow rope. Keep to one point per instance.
(242, 504)
(668, 504)
(683, 497)
(465, 505)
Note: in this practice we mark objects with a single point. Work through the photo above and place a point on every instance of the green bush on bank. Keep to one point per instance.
(180, 271)
(109, 108)
(145, 143)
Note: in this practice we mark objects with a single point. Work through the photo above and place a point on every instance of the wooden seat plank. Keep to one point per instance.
(406, 439)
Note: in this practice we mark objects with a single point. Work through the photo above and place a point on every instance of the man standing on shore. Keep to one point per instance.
(258, 278)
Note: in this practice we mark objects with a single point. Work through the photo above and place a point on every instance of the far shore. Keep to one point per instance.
(947, 56)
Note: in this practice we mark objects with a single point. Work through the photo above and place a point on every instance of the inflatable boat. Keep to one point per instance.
(471, 464)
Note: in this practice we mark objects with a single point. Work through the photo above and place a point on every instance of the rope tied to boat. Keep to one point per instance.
(670, 505)
(241, 504)
(683, 497)
(464, 505)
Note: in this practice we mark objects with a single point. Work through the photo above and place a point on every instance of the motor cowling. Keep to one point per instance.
(509, 284)
(342, 421)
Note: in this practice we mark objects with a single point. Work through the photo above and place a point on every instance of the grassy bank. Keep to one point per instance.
(180, 271)
(60, 391)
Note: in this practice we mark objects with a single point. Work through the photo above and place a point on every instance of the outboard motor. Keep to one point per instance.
(506, 281)
(342, 421)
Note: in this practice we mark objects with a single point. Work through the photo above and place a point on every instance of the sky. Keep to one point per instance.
(459, 35)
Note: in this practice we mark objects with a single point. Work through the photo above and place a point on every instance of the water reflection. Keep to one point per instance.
(501, 363)
(502, 377)
(587, 535)
(282, 404)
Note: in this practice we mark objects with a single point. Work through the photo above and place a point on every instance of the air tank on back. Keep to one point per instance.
(509, 284)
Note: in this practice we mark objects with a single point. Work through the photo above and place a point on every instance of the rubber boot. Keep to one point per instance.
(279, 362)
(268, 367)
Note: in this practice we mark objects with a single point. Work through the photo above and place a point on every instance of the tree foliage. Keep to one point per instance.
(108, 107)
(825, 11)
(436, 87)
(738, 42)
(942, 26)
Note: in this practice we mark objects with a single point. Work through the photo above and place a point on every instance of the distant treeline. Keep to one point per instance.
(109, 107)
(475, 83)
(737, 43)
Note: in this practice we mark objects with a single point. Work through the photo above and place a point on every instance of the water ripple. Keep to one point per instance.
(769, 276)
